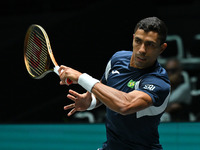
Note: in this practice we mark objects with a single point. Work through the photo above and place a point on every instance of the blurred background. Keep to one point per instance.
(84, 34)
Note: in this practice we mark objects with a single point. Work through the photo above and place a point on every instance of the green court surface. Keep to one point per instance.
(173, 136)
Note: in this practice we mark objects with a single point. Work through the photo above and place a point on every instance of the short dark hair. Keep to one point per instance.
(153, 24)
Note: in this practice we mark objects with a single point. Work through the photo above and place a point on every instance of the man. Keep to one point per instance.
(180, 98)
(134, 88)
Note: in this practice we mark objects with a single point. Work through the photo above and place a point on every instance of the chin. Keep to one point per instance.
(140, 66)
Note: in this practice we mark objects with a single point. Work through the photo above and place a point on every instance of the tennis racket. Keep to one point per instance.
(38, 55)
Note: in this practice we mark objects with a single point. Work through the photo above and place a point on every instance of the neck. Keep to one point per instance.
(132, 64)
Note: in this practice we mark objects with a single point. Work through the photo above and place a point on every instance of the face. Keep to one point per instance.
(146, 49)
(172, 68)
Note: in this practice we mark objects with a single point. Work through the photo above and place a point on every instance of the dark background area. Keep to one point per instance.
(84, 34)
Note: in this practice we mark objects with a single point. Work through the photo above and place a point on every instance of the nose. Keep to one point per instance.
(142, 49)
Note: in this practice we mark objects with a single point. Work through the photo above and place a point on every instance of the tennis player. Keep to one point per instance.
(134, 88)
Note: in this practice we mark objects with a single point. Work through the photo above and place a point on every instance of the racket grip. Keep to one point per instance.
(68, 81)
(55, 69)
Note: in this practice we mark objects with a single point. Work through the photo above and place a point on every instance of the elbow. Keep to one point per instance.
(126, 107)
(124, 113)
(125, 110)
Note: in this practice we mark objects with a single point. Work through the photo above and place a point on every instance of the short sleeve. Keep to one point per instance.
(106, 73)
(114, 59)
(157, 88)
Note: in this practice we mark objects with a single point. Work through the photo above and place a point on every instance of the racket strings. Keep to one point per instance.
(34, 53)
(37, 53)
(33, 47)
(36, 62)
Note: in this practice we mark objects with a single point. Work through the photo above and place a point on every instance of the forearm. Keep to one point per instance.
(111, 97)
(116, 100)
(121, 102)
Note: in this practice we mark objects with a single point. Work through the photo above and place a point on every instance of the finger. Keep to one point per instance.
(70, 106)
(63, 83)
(71, 97)
(71, 112)
(76, 94)
(62, 67)
(62, 74)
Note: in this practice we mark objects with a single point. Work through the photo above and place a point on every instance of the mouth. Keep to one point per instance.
(141, 59)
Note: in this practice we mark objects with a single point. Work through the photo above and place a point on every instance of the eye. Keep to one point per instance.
(138, 41)
(150, 44)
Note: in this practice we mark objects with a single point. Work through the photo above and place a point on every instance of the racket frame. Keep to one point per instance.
(50, 52)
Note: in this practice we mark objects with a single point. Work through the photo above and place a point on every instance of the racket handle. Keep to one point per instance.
(55, 69)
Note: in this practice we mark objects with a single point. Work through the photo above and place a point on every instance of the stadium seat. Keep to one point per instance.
(175, 48)
(195, 47)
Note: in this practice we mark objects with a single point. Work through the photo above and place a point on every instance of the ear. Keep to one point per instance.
(163, 47)
(133, 39)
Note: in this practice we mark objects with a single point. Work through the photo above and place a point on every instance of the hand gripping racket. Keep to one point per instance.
(38, 55)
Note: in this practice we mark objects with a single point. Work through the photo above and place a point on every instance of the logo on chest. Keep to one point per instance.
(131, 84)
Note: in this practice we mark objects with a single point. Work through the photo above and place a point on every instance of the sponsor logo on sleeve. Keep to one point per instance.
(149, 87)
